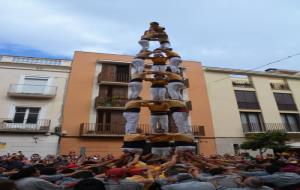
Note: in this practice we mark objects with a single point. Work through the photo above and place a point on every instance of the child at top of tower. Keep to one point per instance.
(155, 33)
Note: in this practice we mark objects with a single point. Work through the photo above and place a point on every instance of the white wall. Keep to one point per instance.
(51, 108)
(44, 145)
(266, 99)
(225, 113)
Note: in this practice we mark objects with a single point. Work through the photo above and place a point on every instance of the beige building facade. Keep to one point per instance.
(32, 93)
(245, 102)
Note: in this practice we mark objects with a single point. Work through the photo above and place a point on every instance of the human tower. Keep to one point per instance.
(165, 78)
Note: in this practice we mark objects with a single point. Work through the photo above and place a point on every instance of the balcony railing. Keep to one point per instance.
(269, 127)
(40, 126)
(28, 90)
(242, 83)
(113, 102)
(99, 129)
(279, 86)
(32, 60)
(113, 77)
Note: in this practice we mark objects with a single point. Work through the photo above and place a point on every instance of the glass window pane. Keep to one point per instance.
(19, 117)
(292, 122)
(254, 122)
(34, 110)
(244, 118)
(20, 109)
(32, 118)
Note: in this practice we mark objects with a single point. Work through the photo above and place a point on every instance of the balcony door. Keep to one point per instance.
(104, 121)
(34, 85)
(251, 122)
(122, 73)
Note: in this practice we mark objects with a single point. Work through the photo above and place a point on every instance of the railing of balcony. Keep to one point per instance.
(110, 101)
(31, 60)
(242, 83)
(113, 77)
(279, 86)
(270, 127)
(32, 90)
(99, 129)
(8, 125)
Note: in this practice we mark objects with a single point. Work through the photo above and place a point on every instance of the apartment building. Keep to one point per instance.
(245, 102)
(96, 96)
(31, 98)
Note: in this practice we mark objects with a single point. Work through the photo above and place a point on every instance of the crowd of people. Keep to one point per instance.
(132, 171)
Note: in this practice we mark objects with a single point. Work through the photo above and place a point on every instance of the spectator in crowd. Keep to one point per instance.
(131, 171)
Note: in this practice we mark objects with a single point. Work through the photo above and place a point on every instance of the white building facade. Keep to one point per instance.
(245, 102)
(31, 101)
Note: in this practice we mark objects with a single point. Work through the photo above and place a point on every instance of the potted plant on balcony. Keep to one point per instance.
(116, 101)
(107, 103)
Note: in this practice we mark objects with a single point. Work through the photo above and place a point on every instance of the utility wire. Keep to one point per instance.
(270, 63)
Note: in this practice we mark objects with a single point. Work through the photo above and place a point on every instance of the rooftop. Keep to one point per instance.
(34, 60)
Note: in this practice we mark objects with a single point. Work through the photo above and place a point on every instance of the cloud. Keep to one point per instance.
(232, 33)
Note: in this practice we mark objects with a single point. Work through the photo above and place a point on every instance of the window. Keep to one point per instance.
(285, 101)
(252, 122)
(34, 84)
(246, 99)
(290, 122)
(28, 115)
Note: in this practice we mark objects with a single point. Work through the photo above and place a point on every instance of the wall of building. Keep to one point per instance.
(294, 86)
(29, 144)
(224, 108)
(266, 99)
(81, 94)
(225, 112)
(11, 73)
(51, 108)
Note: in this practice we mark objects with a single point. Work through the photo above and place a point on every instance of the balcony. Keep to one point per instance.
(106, 130)
(269, 127)
(279, 86)
(114, 78)
(31, 91)
(9, 126)
(242, 83)
(116, 103)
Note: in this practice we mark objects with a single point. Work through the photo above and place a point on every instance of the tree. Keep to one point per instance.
(268, 140)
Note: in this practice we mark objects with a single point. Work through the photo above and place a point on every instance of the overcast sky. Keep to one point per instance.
(223, 33)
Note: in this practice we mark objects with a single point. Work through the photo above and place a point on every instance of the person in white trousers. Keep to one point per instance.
(179, 113)
(137, 66)
(158, 88)
(175, 85)
(159, 115)
(174, 59)
(132, 115)
(159, 62)
(135, 85)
